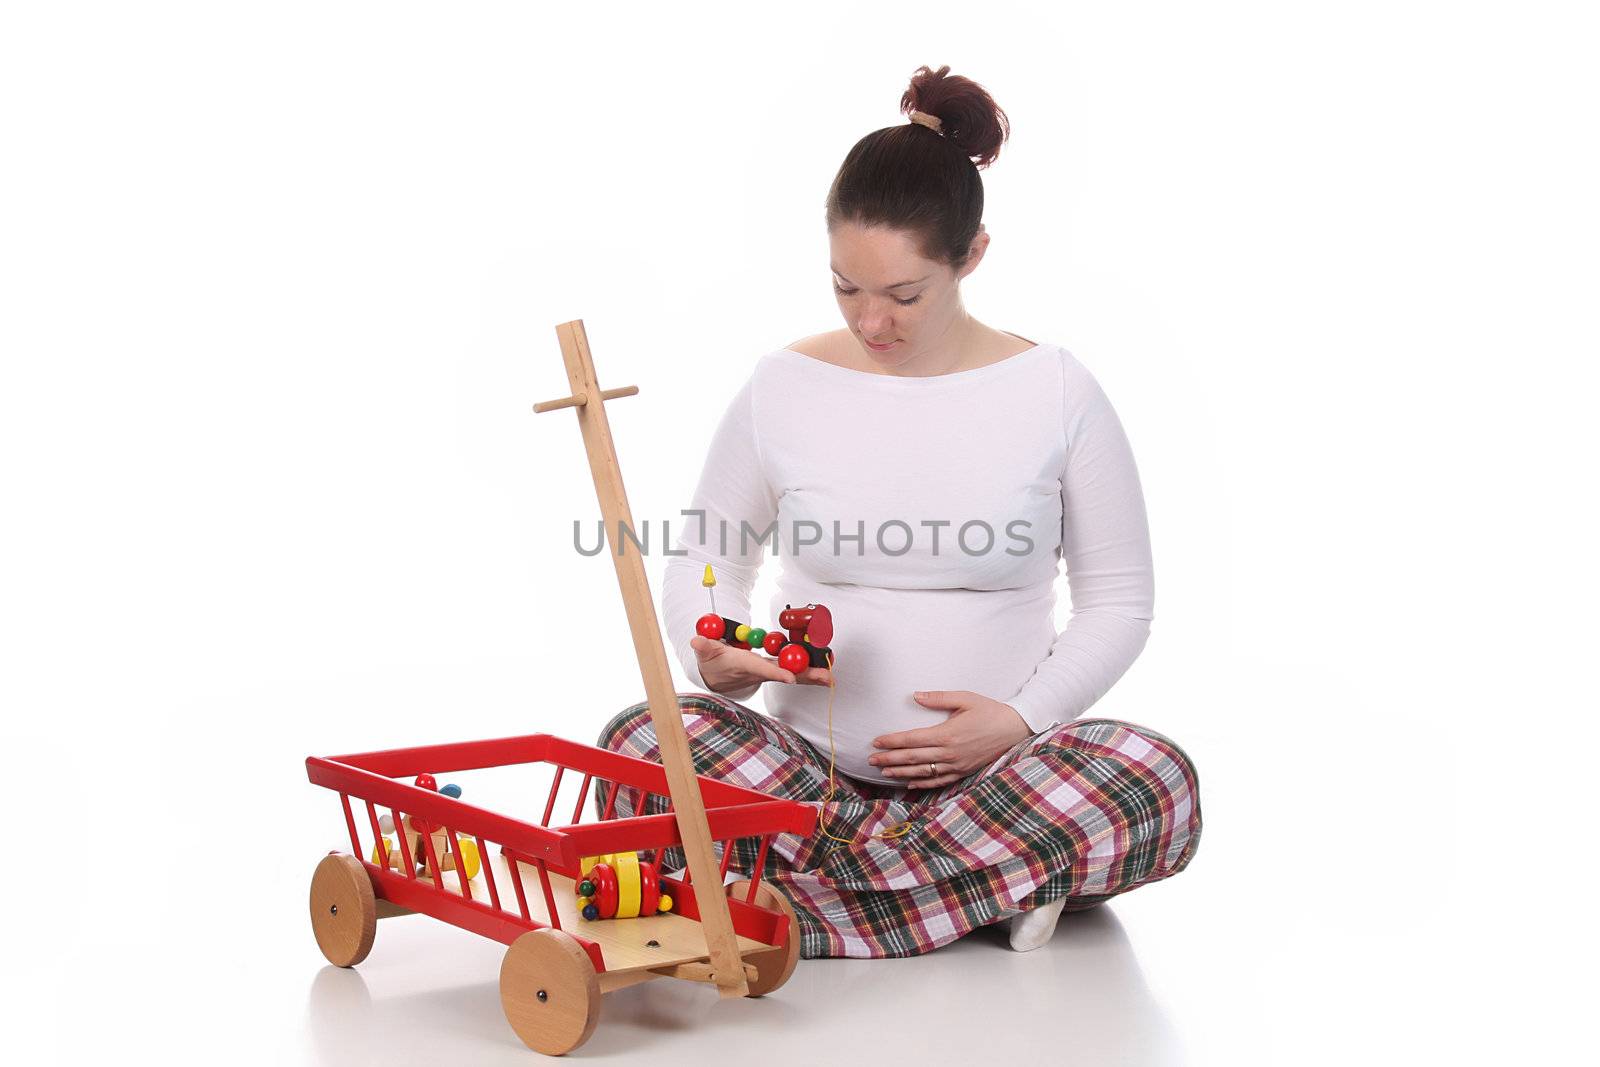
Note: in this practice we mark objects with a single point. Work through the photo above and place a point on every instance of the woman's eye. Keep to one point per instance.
(897, 300)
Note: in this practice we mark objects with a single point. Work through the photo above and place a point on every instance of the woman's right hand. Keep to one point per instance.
(727, 669)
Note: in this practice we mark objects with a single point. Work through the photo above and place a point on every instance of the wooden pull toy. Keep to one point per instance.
(810, 630)
(619, 885)
(385, 854)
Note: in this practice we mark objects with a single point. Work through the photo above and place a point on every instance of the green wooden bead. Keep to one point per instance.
(757, 635)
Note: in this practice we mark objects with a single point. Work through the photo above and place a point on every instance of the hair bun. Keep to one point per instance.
(968, 115)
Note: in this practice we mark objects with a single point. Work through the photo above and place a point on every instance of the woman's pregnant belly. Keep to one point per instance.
(890, 643)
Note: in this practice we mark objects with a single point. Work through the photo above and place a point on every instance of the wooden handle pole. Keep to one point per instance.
(725, 968)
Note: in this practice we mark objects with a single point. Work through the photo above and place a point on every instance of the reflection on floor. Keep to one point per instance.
(435, 990)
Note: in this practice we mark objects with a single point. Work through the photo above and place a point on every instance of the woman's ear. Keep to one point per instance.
(980, 243)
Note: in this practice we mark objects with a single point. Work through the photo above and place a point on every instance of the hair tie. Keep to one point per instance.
(930, 121)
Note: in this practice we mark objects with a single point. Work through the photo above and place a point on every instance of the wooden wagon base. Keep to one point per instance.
(666, 944)
(549, 987)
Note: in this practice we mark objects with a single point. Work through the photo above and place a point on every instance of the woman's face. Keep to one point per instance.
(889, 293)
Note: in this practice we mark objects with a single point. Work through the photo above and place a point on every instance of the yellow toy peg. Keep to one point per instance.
(709, 580)
(586, 863)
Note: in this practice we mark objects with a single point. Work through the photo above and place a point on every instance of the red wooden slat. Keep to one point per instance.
(377, 835)
(583, 794)
(549, 897)
(755, 872)
(461, 867)
(405, 846)
(488, 874)
(516, 880)
(550, 805)
(433, 858)
(350, 821)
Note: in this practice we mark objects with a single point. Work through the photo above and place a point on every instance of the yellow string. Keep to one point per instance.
(898, 829)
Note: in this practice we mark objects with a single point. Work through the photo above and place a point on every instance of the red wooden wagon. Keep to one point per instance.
(558, 965)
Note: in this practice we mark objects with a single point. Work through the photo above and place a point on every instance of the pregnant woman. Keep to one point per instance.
(924, 476)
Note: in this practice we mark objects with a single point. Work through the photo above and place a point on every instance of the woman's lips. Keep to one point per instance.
(882, 348)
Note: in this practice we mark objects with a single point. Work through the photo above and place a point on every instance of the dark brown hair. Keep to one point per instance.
(910, 177)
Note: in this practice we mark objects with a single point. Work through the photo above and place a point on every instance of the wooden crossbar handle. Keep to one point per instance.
(577, 400)
(700, 972)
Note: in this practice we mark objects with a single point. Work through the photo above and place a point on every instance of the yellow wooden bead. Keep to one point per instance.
(469, 857)
(627, 868)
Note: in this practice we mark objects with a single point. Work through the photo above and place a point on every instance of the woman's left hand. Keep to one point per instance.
(977, 732)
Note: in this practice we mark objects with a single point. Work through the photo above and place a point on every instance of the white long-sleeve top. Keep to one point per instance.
(931, 515)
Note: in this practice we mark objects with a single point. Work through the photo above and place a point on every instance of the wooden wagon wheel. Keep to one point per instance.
(344, 910)
(772, 968)
(549, 991)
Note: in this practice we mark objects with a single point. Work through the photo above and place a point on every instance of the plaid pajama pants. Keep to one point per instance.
(1086, 810)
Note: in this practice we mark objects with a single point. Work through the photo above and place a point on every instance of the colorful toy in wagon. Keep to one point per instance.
(743, 939)
(619, 885)
(385, 854)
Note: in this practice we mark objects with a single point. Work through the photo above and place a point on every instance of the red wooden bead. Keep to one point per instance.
(710, 626)
(649, 889)
(774, 642)
(605, 897)
(794, 658)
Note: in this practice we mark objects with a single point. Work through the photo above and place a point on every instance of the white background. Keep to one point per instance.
(278, 285)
